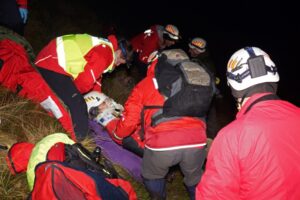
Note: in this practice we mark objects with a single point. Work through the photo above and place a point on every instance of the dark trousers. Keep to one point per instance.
(156, 165)
(10, 16)
(212, 121)
(65, 89)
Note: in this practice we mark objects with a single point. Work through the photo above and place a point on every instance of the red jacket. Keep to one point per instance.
(22, 3)
(256, 156)
(18, 72)
(98, 59)
(145, 43)
(185, 132)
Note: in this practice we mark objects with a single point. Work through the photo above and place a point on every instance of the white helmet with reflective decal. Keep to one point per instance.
(101, 108)
(94, 99)
(250, 66)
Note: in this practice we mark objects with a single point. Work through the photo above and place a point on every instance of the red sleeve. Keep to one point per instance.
(22, 3)
(137, 41)
(98, 59)
(97, 85)
(222, 172)
(110, 127)
(132, 110)
(150, 45)
(145, 45)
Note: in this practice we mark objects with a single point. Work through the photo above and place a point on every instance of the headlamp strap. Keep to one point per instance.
(123, 49)
(239, 77)
(250, 51)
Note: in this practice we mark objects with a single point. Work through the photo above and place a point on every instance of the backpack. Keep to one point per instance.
(58, 180)
(186, 86)
(59, 168)
(79, 176)
(79, 157)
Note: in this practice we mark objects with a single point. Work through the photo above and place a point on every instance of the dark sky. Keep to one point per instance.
(226, 25)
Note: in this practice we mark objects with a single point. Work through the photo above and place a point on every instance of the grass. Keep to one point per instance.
(20, 120)
(13, 187)
(23, 120)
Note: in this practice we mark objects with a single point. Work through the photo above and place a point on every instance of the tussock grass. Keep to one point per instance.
(13, 187)
(23, 120)
(20, 120)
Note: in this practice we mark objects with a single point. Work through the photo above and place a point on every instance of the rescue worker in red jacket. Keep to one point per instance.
(18, 75)
(13, 14)
(257, 155)
(73, 65)
(153, 39)
(174, 141)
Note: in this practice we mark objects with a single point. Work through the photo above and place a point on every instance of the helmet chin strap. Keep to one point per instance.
(240, 101)
(238, 104)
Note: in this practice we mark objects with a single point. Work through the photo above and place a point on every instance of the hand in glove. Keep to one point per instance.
(111, 127)
(24, 14)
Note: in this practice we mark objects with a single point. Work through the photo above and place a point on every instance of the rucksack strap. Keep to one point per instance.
(142, 132)
(159, 117)
(79, 157)
(155, 119)
(1, 64)
(263, 98)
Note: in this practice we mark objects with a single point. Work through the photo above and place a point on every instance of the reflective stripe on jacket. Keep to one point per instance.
(99, 59)
(71, 50)
(39, 153)
(185, 132)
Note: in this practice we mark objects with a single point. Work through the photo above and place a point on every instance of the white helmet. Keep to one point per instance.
(199, 44)
(94, 99)
(250, 66)
(110, 110)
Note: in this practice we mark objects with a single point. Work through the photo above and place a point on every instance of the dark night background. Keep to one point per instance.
(226, 25)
